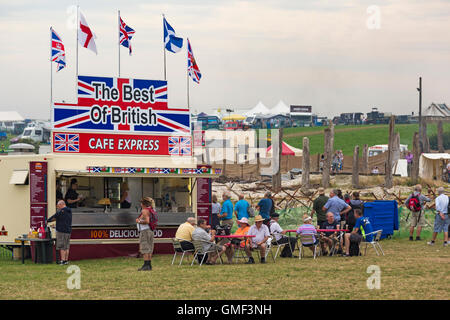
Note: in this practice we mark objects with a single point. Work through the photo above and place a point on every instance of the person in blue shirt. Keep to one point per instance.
(361, 230)
(241, 208)
(265, 206)
(336, 205)
(226, 213)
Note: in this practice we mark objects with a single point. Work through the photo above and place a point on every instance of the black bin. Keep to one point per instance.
(44, 251)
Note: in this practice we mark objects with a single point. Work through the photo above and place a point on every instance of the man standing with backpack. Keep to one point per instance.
(415, 203)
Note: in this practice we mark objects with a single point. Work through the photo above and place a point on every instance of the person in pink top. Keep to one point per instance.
(308, 229)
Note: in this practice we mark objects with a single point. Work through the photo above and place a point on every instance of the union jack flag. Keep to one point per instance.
(58, 52)
(193, 70)
(180, 146)
(125, 35)
(66, 143)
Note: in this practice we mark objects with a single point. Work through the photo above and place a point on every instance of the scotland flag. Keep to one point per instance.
(171, 41)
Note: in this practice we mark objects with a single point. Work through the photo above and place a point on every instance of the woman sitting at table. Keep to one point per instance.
(244, 226)
(308, 229)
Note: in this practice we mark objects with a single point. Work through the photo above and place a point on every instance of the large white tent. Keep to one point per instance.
(260, 108)
(280, 108)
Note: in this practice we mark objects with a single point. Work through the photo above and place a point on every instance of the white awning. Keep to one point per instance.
(436, 156)
(19, 177)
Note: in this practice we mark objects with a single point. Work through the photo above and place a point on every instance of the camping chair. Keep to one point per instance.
(179, 250)
(199, 250)
(375, 242)
(276, 243)
(239, 253)
(307, 240)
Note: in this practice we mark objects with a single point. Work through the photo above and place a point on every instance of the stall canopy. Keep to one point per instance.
(280, 108)
(234, 117)
(260, 108)
(431, 165)
(286, 150)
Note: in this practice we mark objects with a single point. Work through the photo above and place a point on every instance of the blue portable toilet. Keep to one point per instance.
(383, 214)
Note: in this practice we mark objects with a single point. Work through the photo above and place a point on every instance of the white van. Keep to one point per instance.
(36, 133)
(380, 148)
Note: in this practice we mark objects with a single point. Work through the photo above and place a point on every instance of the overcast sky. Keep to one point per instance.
(336, 55)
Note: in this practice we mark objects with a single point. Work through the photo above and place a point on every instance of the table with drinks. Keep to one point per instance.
(41, 239)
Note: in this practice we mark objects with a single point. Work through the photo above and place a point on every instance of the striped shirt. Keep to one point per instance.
(305, 229)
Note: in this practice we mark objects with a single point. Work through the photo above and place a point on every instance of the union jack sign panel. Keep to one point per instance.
(119, 105)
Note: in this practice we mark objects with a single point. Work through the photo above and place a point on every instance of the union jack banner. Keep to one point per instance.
(58, 52)
(180, 146)
(193, 70)
(125, 35)
(66, 143)
(98, 110)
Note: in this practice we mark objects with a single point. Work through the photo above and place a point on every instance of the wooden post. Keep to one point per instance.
(365, 159)
(305, 164)
(327, 153)
(440, 137)
(355, 169)
(277, 148)
(416, 156)
(388, 176)
(424, 138)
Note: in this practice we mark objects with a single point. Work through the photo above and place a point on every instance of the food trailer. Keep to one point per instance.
(105, 156)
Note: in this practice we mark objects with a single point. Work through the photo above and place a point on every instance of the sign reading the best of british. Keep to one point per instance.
(121, 116)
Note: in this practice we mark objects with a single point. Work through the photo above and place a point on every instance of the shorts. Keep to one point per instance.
(441, 225)
(311, 244)
(62, 241)
(355, 237)
(146, 241)
(416, 220)
(186, 245)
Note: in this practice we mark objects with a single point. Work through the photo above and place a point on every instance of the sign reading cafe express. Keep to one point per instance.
(121, 116)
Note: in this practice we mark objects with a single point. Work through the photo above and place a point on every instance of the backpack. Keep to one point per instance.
(354, 249)
(153, 222)
(414, 204)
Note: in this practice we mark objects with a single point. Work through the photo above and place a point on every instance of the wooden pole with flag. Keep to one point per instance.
(187, 72)
(76, 76)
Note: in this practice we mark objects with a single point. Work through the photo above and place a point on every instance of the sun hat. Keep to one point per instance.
(244, 220)
(321, 190)
(259, 218)
(305, 219)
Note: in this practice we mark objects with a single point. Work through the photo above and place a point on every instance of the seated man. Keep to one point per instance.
(244, 226)
(201, 234)
(308, 229)
(184, 232)
(262, 234)
(328, 238)
(280, 237)
(362, 227)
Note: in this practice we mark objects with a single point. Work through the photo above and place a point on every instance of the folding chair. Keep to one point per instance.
(307, 240)
(375, 242)
(268, 249)
(276, 243)
(179, 249)
(239, 253)
(199, 250)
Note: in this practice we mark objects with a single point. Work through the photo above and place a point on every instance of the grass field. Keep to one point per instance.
(409, 270)
(347, 137)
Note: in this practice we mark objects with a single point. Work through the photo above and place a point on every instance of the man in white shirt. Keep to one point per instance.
(281, 238)
(442, 220)
(262, 234)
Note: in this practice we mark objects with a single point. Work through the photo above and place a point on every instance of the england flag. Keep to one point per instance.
(85, 35)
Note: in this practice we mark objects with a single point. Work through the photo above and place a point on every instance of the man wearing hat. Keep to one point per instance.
(244, 226)
(308, 229)
(281, 238)
(318, 205)
(262, 234)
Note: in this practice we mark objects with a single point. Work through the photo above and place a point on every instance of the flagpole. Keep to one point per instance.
(51, 79)
(164, 49)
(118, 12)
(76, 77)
(187, 71)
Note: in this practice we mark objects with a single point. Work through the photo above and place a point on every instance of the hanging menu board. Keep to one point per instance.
(38, 193)
(204, 198)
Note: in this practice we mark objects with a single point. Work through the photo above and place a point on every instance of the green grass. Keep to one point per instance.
(409, 270)
(347, 137)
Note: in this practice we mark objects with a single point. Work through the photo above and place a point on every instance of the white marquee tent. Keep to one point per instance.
(280, 108)
(431, 165)
(260, 108)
